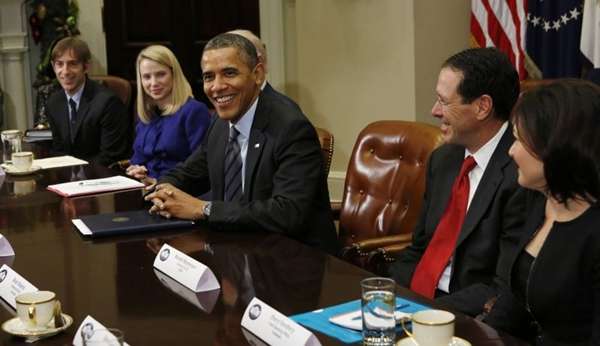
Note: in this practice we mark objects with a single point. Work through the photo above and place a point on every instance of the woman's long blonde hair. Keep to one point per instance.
(181, 88)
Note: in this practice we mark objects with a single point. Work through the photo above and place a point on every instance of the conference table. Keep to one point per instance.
(113, 280)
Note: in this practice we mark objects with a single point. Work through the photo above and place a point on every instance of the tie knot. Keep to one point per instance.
(468, 164)
(73, 104)
(233, 133)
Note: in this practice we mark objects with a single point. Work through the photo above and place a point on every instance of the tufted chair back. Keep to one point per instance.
(530, 84)
(385, 183)
(118, 85)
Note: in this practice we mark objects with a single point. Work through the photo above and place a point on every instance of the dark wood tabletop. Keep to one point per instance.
(113, 280)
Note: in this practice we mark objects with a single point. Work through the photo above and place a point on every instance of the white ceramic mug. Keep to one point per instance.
(36, 309)
(22, 160)
(432, 327)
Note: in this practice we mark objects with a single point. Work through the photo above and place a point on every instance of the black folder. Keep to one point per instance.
(129, 222)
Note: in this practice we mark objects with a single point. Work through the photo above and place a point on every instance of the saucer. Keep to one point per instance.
(456, 341)
(14, 326)
(10, 169)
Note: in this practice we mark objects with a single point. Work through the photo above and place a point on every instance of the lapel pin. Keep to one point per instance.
(257, 145)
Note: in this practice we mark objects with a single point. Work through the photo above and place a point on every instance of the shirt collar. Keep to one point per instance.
(484, 154)
(77, 96)
(245, 123)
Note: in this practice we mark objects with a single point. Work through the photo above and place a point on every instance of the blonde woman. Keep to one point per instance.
(171, 122)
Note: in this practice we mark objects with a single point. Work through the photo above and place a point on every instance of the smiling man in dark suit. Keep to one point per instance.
(87, 120)
(471, 213)
(260, 157)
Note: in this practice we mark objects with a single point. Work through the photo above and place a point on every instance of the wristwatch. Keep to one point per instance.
(206, 209)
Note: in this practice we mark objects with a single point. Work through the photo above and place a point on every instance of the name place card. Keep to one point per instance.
(185, 270)
(5, 248)
(205, 301)
(87, 329)
(274, 328)
(12, 284)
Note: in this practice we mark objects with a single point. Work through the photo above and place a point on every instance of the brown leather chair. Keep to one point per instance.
(384, 186)
(118, 85)
(122, 88)
(530, 84)
(326, 141)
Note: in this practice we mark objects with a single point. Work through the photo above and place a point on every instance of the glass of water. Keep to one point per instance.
(378, 305)
(11, 143)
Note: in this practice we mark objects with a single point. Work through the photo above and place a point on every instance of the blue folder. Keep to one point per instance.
(319, 319)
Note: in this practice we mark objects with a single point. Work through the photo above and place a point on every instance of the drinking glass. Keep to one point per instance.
(11, 143)
(378, 305)
(102, 337)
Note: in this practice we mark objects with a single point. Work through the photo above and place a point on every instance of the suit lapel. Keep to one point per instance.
(256, 143)
(486, 190)
(64, 122)
(222, 132)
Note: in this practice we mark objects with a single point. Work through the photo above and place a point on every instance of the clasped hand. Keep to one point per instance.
(169, 201)
(141, 173)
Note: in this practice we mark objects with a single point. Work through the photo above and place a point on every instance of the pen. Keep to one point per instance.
(401, 306)
(95, 183)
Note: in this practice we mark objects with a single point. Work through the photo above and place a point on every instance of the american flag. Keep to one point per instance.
(501, 24)
(541, 37)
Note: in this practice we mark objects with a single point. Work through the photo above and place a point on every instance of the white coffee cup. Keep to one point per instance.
(22, 160)
(432, 327)
(36, 309)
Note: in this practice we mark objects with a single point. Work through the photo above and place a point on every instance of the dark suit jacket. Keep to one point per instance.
(563, 286)
(285, 188)
(102, 130)
(489, 231)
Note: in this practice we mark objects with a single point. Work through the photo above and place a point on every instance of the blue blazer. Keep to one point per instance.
(168, 140)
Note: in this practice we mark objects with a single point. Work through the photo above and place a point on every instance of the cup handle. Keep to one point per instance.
(410, 335)
(31, 312)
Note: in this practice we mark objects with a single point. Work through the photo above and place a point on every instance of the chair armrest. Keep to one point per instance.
(336, 208)
(363, 248)
(368, 245)
(379, 259)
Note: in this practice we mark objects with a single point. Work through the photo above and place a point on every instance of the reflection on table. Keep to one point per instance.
(113, 279)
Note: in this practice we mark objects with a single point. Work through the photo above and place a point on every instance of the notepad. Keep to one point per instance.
(91, 186)
(58, 161)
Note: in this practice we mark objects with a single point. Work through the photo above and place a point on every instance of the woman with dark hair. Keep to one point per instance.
(554, 294)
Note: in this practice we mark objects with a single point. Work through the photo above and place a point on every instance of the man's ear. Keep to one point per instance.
(259, 73)
(485, 106)
(86, 67)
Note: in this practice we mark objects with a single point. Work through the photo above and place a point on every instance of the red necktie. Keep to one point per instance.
(430, 268)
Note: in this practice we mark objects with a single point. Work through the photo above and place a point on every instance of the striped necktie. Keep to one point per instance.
(233, 167)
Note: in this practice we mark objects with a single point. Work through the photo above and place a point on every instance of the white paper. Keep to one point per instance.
(87, 328)
(12, 284)
(205, 301)
(81, 227)
(84, 187)
(5, 248)
(353, 319)
(185, 270)
(274, 328)
(59, 161)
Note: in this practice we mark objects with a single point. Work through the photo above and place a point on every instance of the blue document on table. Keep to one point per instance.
(126, 223)
(319, 319)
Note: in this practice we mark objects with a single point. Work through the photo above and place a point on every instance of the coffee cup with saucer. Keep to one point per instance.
(22, 164)
(431, 328)
(38, 315)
